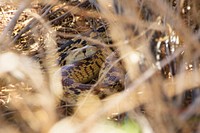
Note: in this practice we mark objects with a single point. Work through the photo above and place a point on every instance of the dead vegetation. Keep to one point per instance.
(158, 43)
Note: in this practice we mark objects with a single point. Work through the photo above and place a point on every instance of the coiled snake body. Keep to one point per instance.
(86, 63)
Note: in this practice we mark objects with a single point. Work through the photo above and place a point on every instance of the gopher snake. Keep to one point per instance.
(90, 61)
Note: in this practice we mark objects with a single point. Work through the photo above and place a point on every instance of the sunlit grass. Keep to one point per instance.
(157, 43)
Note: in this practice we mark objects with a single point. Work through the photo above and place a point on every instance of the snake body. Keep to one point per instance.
(94, 61)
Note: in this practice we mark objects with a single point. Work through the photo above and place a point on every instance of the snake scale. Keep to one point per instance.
(82, 62)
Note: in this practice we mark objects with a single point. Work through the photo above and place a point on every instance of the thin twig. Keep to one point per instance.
(192, 109)
(32, 23)
(9, 29)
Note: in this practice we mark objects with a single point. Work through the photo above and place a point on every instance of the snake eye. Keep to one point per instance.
(84, 51)
(101, 29)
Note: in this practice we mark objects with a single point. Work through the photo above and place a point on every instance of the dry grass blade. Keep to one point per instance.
(10, 27)
(156, 43)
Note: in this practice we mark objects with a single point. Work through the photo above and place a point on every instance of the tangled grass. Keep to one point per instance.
(158, 44)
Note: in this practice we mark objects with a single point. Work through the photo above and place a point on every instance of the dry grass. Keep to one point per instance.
(158, 43)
